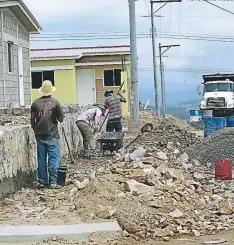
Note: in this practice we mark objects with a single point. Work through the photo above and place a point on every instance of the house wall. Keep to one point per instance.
(65, 81)
(100, 88)
(13, 31)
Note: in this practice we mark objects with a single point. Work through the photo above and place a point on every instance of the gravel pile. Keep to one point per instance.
(217, 145)
(167, 137)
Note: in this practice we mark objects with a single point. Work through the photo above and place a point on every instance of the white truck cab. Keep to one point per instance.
(217, 92)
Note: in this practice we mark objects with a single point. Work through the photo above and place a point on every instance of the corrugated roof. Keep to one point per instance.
(99, 62)
(78, 52)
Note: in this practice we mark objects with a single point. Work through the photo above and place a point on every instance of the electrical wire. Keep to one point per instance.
(127, 36)
(190, 70)
(122, 33)
(219, 7)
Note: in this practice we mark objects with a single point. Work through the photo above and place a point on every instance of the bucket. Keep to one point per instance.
(62, 173)
(230, 121)
(223, 169)
(213, 124)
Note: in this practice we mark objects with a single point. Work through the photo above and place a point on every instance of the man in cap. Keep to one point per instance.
(88, 123)
(113, 103)
(46, 112)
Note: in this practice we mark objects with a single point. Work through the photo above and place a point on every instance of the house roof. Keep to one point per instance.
(77, 53)
(20, 10)
(100, 62)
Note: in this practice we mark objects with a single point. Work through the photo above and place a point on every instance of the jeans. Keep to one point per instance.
(50, 148)
(114, 125)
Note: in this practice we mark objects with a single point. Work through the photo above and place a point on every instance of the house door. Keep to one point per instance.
(21, 75)
(86, 87)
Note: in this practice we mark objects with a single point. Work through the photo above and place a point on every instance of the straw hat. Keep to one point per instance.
(47, 88)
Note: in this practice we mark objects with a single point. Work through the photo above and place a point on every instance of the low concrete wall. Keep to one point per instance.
(18, 158)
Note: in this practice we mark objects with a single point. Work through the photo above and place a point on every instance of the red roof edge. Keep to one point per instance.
(117, 46)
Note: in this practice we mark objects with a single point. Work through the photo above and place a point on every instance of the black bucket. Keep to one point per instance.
(62, 173)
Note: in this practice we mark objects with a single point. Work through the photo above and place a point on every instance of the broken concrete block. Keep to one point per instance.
(225, 208)
(176, 214)
(162, 169)
(154, 203)
(175, 174)
(83, 184)
(198, 176)
(161, 232)
(134, 186)
(105, 212)
(162, 155)
(127, 225)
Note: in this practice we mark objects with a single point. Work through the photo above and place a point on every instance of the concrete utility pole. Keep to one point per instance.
(134, 68)
(162, 77)
(153, 34)
(164, 90)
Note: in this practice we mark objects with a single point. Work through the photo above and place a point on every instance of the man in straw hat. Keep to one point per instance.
(88, 123)
(46, 112)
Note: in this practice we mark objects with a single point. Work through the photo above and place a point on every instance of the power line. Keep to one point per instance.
(192, 70)
(219, 7)
(116, 37)
(125, 33)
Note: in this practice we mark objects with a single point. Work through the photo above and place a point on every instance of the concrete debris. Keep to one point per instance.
(176, 214)
(105, 212)
(225, 208)
(161, 192)
(136, 187)
(162, 155)
(175, 174)
(82, 185)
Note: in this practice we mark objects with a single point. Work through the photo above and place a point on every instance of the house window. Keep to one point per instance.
(10, 56)
(39, 77)
(112, 78)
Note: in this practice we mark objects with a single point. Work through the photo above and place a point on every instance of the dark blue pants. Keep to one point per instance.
(114, 125)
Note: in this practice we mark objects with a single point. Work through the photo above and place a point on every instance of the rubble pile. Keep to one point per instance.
(217, 145)
(150, 197)
(167, 137)
(155, 191)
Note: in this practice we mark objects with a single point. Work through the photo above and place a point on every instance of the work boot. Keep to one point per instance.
(54, 186)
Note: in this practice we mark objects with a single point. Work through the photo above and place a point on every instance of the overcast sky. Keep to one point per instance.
(184, 65)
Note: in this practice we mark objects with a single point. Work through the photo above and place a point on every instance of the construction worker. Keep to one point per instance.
(46, 112)
(88, 124)
(113, 103)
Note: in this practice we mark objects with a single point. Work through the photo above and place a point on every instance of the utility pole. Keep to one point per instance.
(164, 90)
(161, 73)
(134, 67)
(153, 34)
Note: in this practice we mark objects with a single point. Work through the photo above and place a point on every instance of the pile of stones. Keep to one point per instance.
(215, 146)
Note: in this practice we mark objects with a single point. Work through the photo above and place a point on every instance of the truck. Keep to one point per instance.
(218, 94)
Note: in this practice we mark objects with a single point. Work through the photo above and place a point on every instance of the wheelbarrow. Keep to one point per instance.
(110, 141)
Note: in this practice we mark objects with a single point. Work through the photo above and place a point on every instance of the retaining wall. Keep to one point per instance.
(18, 158)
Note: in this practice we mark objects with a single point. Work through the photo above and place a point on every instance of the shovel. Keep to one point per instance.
(69, 151)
